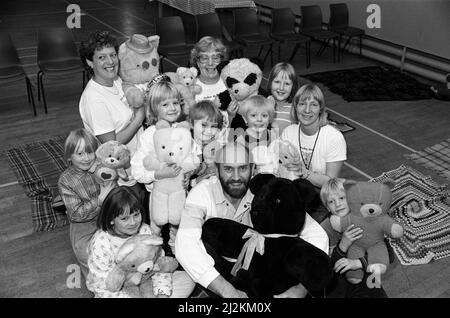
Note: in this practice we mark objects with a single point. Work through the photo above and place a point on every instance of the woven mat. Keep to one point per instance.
(37, 167)
(373, 83)
(436, 157)
(422, 207)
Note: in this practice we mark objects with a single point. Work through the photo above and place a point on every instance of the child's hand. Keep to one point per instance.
(350, 235)
(104, 190)
(345, 264)
(168, 171)
(187, 179)
(233, 108)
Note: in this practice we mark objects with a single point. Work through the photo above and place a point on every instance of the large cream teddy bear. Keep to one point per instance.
(173, 145)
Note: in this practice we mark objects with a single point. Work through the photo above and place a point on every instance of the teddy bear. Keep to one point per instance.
(139, 67)
(278, 258)
(173, 145)
(139, 64)
(139, 259)
(112, 160)
(369, 203)
(187, 77)
(242, 79)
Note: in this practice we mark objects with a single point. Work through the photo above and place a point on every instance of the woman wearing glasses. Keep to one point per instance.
(206, 55)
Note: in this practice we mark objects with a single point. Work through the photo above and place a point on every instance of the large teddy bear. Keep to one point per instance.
(112, 160)
(173, 145)
(140, 265)
(242, 79)
(369, 203)
(139, 64)
(279, 258)
(139, 67)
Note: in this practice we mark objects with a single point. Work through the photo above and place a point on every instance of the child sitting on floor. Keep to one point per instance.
(81, 194)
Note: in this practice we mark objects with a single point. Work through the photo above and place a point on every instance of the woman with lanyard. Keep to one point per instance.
(322, 147)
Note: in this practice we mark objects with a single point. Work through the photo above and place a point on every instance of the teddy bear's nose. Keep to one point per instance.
(145, 65)
(236, 91)
(170, 153)
(371, 211)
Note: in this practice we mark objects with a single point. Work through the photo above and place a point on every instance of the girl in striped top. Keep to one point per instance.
(82, 195)
(282, 86)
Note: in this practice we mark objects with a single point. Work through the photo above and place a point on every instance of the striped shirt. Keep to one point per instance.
(282, 115)
(80, 192)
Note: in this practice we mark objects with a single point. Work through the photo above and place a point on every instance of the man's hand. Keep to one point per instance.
(297, 291)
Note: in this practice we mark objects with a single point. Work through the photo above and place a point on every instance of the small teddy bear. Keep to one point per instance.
(139, 64)
(172, 146)
(369, 203)
(242, 79)
(188, 77)
(112, 160)
(139, 259)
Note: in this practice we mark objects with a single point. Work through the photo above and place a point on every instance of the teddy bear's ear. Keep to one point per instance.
(258, 181)
(152, 240)
(184, 124)
(390, 183)
(306, 189)
(124, 251)
(194, 71)
(348, 183)
(181, 70)
(122, 51)
(154, 41)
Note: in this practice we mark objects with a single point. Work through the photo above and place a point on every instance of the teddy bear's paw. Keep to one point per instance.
(167, 264)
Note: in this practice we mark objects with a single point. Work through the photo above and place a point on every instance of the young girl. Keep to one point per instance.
(82, 195)
(164, 104)
(207, 130)
(258, 113)
(120, 218)
(282, 86)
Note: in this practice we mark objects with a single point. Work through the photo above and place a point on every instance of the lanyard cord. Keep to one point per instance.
(312, 152)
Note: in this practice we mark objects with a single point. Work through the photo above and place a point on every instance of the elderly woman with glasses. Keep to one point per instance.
(206, 55)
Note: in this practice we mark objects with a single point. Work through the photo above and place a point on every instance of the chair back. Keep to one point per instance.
(56, 44)
(338, 15)
(245, 22)
(208, 25)
(311, 18)
(8, 52)
(170, 31)
(283, 21)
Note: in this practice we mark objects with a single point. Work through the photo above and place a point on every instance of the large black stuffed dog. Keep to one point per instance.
(278, 207)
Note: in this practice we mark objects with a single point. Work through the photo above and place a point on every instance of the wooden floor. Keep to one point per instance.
(36, 264)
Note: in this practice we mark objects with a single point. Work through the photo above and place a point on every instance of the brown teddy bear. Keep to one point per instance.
(112, 158)
(369, 203)
(139, 259)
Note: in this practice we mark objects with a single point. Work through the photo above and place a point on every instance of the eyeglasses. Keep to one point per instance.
(205, 58)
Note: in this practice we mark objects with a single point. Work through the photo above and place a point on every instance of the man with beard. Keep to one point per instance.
(226, 196)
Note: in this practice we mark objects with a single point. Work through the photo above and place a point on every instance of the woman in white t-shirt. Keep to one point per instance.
(322, 147)
(103, 106)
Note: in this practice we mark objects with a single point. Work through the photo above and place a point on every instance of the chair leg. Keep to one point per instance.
(39, 88)
(308, 54)
(260, 50)
(30, 95)
(43, 94)
(294, 51)
(323, 47)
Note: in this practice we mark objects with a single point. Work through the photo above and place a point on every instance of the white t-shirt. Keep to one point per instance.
(330, 146)
(210, 91)
(104, 109)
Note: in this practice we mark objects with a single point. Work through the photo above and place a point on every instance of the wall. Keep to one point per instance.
(423, 25)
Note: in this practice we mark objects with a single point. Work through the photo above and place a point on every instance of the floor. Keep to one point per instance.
(41, 264)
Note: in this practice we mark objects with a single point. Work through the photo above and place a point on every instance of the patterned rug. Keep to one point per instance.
(423, 208)
(436, 157)
(373, 83)
(37, 167)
